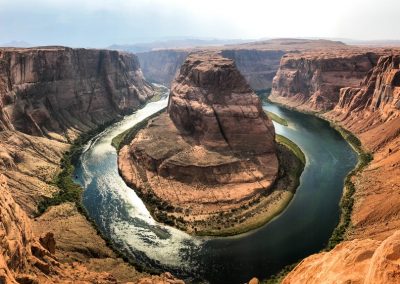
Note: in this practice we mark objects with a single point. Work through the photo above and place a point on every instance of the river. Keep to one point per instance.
(303, 228)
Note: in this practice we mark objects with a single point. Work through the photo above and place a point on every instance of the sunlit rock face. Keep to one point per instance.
(370, 108)
(214, 148)
(312, 80)
(359, 261)
(212, 102)
(48, 90)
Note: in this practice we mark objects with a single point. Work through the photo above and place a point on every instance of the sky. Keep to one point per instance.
(100, 23)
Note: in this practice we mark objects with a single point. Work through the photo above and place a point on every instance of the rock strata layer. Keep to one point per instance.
(312, 80)
(55, 90)
(48, 96)
(358, 261)
(371, 110)
(211, 153)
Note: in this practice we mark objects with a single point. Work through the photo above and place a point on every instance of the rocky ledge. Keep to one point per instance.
(370, 109)
(311, 80)
(203, 164)
(60, 91)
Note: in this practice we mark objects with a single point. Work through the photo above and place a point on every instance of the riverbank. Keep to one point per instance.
(68, 202)
(347, 201)
(277, 118)
(65, 213)
(254, 214)
(268, 248)
(69, 190)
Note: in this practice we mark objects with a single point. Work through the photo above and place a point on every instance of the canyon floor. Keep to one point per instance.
(48, 96)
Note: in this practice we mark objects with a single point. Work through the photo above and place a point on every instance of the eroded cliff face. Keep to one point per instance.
(161, 66)
(312, 80)
(25, 258)
(212, 152)
(212, 101)
(371, 111)
(378, 96)
(258, 67)
(56, 90)
(47, 97)
(363, 261)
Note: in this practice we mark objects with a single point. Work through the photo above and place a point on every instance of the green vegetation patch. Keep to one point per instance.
(292, 146)
(276, 118)
(347, 201)
(126, 137)
(278, 277)
(69, 191)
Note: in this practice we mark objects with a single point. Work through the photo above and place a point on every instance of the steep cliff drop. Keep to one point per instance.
(257, 61)
(211, 156)
(48, 96)
(371, 110)
(358, 261)
(25, 258)
(311, 80)
(56, 91)
(161, 66)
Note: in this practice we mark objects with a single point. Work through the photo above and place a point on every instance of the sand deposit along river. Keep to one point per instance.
(301, 229)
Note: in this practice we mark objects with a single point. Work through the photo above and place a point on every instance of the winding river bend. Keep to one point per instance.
(301, 229)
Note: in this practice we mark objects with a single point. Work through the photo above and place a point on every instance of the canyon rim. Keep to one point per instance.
(131, 152)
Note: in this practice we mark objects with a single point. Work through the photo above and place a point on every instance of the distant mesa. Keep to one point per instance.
(16, 43)
(213, 152)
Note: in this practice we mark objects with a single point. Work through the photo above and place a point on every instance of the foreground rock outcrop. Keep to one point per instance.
(212, 154)
(358, 261)
(25, 258)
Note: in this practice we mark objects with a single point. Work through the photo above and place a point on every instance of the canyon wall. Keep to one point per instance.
(161, 66)
(312, 80)
(52, 90)
(257, 66)
(364, 261)
(372, 112)
(370, 108)
(48, 96)
(257, 61)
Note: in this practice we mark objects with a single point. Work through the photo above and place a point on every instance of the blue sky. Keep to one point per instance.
(99, 23)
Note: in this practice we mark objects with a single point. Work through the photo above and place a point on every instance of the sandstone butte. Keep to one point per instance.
(371, 110)
(210, 155)
(37, 122)
(48, 96)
